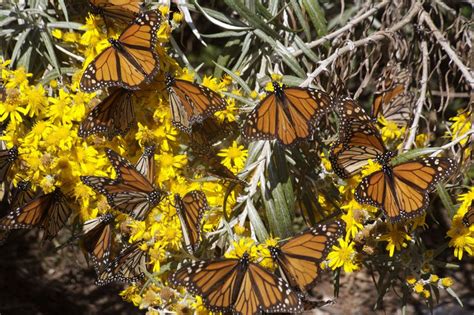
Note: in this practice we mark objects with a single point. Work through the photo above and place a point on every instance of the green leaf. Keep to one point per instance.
(277, 194)
(50, 48)
(221, 20)
(454, 295)
(251, 17)
(19, 44)
(256, 221)
(316, 14)
(68, 25)
(446, 200)
(301, 18)
(236, 78)
(413, 154)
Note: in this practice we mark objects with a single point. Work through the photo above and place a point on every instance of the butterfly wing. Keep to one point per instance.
(403, 193)
(21, 195)
(190, 210)
(299, 258)
(113, 116)
(127, 267)
(191, 103)
(146, 163)
(97, 238)
(29, 215)
(121, 10)
(468, 218)
(130, 61)
(58, 213)
(359, 140)
(288, 115)
(7, 157)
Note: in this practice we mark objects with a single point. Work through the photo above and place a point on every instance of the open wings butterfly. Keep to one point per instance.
(96, 239)
(130, 61)
(49, 212)
(238, 286)
(299, 257)
(288, 115)
(127, 267)
(190, 210)
(359, 140)
(402, 191)
(111, 117)
(131, 192)
(7, 157)
(121, 10)
(191, 103)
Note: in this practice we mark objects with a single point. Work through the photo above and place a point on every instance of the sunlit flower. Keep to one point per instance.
(234, 156)
(396, 238)
(462, 239)
(244, 245)
(344, 256)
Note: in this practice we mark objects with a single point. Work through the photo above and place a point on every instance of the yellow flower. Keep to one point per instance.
(434, 278)
(411, 279)
(57, 33)
(229, 113)
(138, 229)
(426, 294)
(157, 256)
(35, 98)
(418, 287)
(234, 156)
(396, 239)
(462, 239)
(239, 229)
(370, 168)
(177, 17)
(389, 130)
(344, 256)
(462, 124)
(12, 111)
(244, 245)
(447, 282)
(352, 225)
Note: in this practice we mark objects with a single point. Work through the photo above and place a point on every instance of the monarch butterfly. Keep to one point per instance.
(359, 140)
(190, 210)
(121, 10)
(96, 238)
(299, 257)
(49, 212)
(111, 117)
(289, 115)
(468, 218)
(191, 103)
(238, 286)
(127, 267)
(392, 99)
(130, 192)
(130, 61)
(401, 191)
(146, 163)
(7, 157)
(18, 196)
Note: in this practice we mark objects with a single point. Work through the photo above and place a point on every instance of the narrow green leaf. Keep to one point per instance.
(301, 18)
(316, 14)
(245, 49)
(68, 25)
(251, 17)
(413, 154)
(454, 295)
(64, 9)
(19, 44)
(256, 221)
(225, 34)
(446, 200)
(221, 20)
(308, 52)
(50, 48)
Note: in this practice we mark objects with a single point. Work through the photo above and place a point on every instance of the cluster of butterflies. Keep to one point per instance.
(288, 115)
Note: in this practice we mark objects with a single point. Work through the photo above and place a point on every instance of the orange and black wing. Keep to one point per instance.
(299, 258)
(359, 140)
(121, 10)
(190, 210)
(96, 239)
(130, 61)
(7, 157)
(402, 191)
(111, 117)
(146, 163)
(29, 215)
(238, 286)
(21, 195)
(468, 218)
(287, 115)
(191, 103)
(127, 267)
(58, 214)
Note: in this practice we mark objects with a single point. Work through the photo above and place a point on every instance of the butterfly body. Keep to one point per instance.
(238, 286)
(288, 115)
(130, 60)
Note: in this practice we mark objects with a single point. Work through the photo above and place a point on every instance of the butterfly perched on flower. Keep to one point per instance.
(393, 100)
(191, 103)
(111, 117)
(131, 192)
(121, 10)
(190, 209)
(299, 257)
(47, 211)
(7, 157)
(127, 267)
(130, 60)
(238, 286)
(287, 115)
(400, 191)
(468, 218)
(96, 238)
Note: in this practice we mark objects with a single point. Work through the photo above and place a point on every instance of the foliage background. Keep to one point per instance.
(248, 41)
